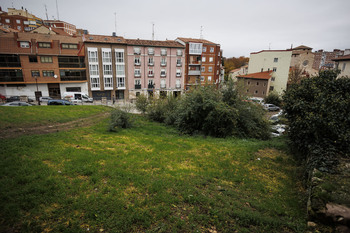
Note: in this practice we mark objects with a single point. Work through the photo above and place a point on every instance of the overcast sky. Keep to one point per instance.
(240, 27)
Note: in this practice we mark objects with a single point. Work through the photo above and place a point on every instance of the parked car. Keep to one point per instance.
(271, 107)
(16, 104)
(13, 98)
(59, 102)
(2, 97)
(45, 98)
(278, 130)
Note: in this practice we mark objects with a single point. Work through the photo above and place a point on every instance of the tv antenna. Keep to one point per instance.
(58, 15)
(47, 17)
(201, 35)
(115, 22)
(152, 31)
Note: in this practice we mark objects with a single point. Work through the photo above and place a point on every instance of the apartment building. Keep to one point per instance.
(324, 59)
(155, 68)
(277, 61)
(67, 27)
(20, 20)
(343, 64)
(50, 64)
(202, 62)
(107, 61)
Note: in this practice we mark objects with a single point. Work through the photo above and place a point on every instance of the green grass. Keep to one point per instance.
(149, 179)
(40, 115)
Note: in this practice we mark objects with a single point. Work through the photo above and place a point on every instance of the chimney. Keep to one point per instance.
(114, 34)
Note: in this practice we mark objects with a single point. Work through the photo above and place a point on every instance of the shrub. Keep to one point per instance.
(163, 109)
(318, 111)
(273, 98)
(119, 119)
(142, 103)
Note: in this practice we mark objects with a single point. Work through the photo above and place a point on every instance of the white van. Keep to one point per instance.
(77, 97)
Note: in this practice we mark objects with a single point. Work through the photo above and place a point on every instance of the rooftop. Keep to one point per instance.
(301, 47)
(24, 36)
(154, 43)
(187, 40)
(263, 51)
(261, 75)
(104, 39)
(342, 58)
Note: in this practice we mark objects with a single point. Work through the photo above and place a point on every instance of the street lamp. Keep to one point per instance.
(37, 93)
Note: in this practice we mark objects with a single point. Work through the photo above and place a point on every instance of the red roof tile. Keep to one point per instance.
(104, 39)
(261, 75)
(186, 40)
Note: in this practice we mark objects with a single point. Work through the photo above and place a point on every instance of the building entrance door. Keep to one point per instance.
(54, 90)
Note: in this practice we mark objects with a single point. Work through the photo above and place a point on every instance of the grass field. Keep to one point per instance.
(147, 179)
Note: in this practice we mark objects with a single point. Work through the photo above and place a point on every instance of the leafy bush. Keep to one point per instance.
(163, 109)
(119, 119)
(318, 111)
(142, 103)
(273, 98)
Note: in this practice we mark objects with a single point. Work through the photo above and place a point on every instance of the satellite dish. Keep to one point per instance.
(55, 76)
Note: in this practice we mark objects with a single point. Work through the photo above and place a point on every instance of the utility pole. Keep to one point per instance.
(115, 22)
(47, 17)
(58, 15)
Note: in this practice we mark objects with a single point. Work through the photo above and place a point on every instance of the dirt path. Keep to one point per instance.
(50, 128)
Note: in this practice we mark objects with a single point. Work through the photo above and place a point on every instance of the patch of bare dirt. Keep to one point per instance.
(51, 128)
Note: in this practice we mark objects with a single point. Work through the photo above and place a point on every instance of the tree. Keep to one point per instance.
(273, 98)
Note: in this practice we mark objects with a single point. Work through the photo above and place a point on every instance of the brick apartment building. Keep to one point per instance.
(202, 62)
(257, 84)
(324, 60)
(52, 64)
(67, 27)
(20, 20)
(155, 67)
(107, 62)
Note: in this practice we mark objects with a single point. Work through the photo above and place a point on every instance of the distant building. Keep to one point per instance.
(20, 20)
(49, 30)
(52, 64)
(343, 64)
(202, 62)
(277, 61)
(303, 58)
(324, 60)
(106, 59)
(257, 84)
(155, 67)
(238, 72)
(67, 27)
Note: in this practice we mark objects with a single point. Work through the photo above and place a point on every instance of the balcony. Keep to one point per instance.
(178, 64)
(163, 64)
(163, 53)
(137, 75)
(137, 63)
(178, 86)
(150, 86)
(162, 74)
(137, 86)
(195, 63)
(179, 54)
(150, 75)
(162, 86)
(150, 64)
(178, 74)
(194, 72)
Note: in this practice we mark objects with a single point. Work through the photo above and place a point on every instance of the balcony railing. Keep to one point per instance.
(162, 86)
(137, 86)
(137, 63)
(163, 64)
(178, 64)
(73, 78)
(163, 53)
(150, 75)
(137, 75)
(178, 86)
(194, 72)
(150, 86)
(150, 63)
(178, 75)
(162, 75)
(195, 62)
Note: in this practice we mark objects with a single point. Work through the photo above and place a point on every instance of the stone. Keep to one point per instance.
(311, 224)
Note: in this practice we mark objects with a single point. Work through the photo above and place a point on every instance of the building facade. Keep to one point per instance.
(51, 64)
(256, 84)
(106, 59)
(343, 64)
(303, 58)
(67, 27)
(20, 20)
(156, 68)
(277, 61)
(324, 60)
(202, 62)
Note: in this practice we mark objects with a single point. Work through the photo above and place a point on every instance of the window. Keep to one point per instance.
(72, 75)
(203, 59)
(179, 52)
(107, 70)
(162, 73)
(93, 69)
(257, 83)
(256, 92)
(211, 49)
(137, 82)
(178, 72)
(71, 62)
(44, 45)
(46, 59)
(48, 73)
(178, 83)
(121, 82)
(195, 48)
(33, 59)
(10, 60)
(203, 68)
(248, 82)
(204, 49)
(120, 70)
(162, 83)
(7, 20)
(137, 72)
(271, 88)
(24, 44)
(211, 59)
(272, 79)
(163, 61)
(73, 89)
(150, 83)
(275, 59)
(119, 57)
(163, 52)
(35, 73)
(264, 84)
(106, 56)
(19, 28)
(344, 64)
(202, 78)
(150, 73)
(137, 61)
(210, 69)
(95, 83)
(108, 81)
(178, 62)
(274, 69)
(150, 51)
(137, 50)
(93, 55)
(209, 78)
(150, 61)
(69, 46)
